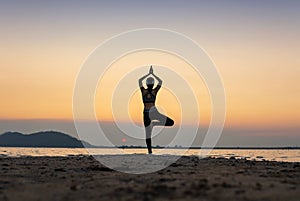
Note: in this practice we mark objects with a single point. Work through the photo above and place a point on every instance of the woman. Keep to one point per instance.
(151, 115)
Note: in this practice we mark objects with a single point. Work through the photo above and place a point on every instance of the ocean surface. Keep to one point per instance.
(286, 155)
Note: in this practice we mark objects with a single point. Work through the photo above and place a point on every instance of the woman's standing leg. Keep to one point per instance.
(148, 129)
(148, 138)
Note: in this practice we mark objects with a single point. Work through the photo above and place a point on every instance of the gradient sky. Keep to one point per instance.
(254, 44)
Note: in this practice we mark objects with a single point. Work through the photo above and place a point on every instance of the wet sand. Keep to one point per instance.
(189, 178)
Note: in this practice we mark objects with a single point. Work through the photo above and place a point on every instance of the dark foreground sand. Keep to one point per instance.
(83, 178)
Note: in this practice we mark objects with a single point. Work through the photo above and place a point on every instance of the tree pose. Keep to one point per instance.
(151, 115)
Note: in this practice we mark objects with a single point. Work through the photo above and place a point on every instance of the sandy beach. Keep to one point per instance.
(190, 178)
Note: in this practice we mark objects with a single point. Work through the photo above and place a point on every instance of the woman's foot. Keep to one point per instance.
(149, 147)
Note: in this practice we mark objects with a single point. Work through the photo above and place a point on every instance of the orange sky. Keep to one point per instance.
(257, 57)
(260, 90)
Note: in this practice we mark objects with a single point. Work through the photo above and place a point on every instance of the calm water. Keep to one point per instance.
(273, 155)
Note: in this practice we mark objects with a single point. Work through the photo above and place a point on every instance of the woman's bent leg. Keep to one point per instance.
(154, 118)
(162, 120)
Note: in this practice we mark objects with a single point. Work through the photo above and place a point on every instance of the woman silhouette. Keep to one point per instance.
(151, 115)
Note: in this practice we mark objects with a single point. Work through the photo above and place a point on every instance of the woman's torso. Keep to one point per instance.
(149, 98)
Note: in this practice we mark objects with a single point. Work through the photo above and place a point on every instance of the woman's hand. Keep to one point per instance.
(151, 70)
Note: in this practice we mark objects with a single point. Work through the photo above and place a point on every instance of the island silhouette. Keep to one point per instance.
(53, 139)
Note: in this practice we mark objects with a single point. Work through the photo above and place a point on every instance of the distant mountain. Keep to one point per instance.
(41, 139)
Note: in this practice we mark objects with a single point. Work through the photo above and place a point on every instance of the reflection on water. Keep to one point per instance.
(250, 154)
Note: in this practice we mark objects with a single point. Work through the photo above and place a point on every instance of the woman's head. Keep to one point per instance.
(150, 82)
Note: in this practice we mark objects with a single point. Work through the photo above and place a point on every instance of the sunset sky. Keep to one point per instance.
(255, 46)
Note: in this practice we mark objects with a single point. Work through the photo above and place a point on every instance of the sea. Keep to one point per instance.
(282, 155)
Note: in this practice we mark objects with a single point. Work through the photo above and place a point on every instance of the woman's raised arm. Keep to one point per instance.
(158, 79)
(141, 80)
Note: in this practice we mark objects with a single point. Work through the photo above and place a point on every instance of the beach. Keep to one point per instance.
(189, 178)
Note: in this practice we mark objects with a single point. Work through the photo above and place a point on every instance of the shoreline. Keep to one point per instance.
(189, 178)
(280, 155)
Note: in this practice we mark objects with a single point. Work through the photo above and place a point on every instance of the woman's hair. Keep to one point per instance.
(150, 80)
